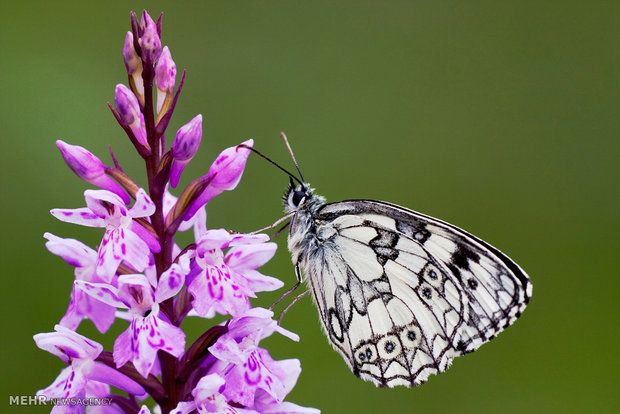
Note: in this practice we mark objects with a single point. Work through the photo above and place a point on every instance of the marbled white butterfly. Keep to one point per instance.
(400, 294)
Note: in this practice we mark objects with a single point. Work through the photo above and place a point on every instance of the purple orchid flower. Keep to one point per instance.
(223, 283)
(245, 366)
(225, 174)
(80, 353)
(89, 168)
(124, 239)
(287, 372)
(147, 332)
(209, 399)
(84, 259)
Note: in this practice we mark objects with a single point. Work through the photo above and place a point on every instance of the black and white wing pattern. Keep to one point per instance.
(401, 294)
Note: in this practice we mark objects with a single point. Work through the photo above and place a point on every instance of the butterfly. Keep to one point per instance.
(400, 294)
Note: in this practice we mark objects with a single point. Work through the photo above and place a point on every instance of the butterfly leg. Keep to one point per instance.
(291, 290)
(290, 305)
(280, 230)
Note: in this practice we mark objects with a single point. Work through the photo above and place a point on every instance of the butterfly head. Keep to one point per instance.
(301, 197)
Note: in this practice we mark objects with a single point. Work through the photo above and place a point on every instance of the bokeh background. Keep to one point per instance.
(499, 117)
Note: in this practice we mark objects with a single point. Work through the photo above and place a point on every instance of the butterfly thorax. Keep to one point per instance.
(303, 204)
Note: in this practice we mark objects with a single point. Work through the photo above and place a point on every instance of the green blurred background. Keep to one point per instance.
(499, 117)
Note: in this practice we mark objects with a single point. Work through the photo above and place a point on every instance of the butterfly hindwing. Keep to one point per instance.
(401, 294)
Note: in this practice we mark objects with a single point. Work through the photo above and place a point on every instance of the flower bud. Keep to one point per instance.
(150, 41)
(225, 173)
(165, 77)
(229, 165)
(89, 168)
(166, 71)
(128, 110)
(184, 147)
(133, 64)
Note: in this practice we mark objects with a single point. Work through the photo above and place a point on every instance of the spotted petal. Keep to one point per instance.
(83, 306)
(74, 252)
(143, 207)
(69, 383)
(102, 292)
(68, 345)
(82, 216)
(170, 282)
(101, 201)
(141, 341)
(250, 256)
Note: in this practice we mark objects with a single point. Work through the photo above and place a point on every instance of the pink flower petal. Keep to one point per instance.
(69, 383)
(74, 252)
(108, 375)
(227, 349)
(242, 239)
(156, 334)
(214, 239)
(123, 349)
(143, 207)
(146, 236)
(144, 337)
(135, 250)
(200, 223)
(107, 258)
(184, 407)
(245, 379)
(214, 288)
(259, 282)
(136, 292)
(251, 256)
(225, 174)
(102, 292)
(68, 345)
(99, 202)
(229, 165)
(97, 389)
(170, 283)
(82, 216)
(282, 408)
(83, 306)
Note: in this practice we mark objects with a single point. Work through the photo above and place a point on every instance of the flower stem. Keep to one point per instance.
(163, 259)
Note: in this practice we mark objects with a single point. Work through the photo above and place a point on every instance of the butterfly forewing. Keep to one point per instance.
(400, 294)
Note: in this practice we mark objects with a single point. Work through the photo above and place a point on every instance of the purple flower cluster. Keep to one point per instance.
(139, 275)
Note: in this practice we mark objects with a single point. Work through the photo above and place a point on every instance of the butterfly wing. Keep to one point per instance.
(401, 294)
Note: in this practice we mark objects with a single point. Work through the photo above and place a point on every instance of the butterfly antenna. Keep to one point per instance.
(257, 152)
(290, 151)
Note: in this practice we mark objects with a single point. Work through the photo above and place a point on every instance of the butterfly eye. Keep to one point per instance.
(298, 196)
